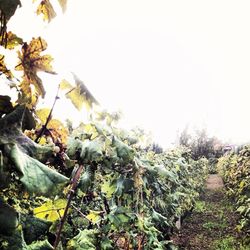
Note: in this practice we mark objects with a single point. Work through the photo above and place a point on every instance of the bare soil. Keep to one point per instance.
(212, 223)
(214, 181)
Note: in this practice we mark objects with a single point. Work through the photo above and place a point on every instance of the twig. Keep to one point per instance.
(81, 213)
(71, 193)
(48, 118)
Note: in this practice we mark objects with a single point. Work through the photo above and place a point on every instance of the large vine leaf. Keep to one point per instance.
(5, 105)
(123, 151)
(40, 245)
(51, 210)
(86, 179)
(16, 241)
(46, 9)
(33, 227)
(35, 176)
(8, 219)
(78, 94)
(10, 134)
(86, 151)
(31, 62)
(8, 7)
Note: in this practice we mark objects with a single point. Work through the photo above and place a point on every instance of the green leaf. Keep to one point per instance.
(8, 7)
(123, 151)
(14, 241)
(107, 244)
(85, 240)
(33, 227)
(40, 245)
(35, 176)
(5, 105)
(8, 219)
(108, 189)
(123, 185)
(118, 217)
(87, 151)
(164, 172)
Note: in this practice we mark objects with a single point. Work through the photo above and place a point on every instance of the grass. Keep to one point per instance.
(229, 243)
(200, 207)
(210, 225)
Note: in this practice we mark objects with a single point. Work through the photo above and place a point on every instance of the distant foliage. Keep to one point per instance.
(201, 144)
(235, 169)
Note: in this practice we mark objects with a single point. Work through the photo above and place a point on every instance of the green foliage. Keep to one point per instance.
(85, 240)
(5, 105)
(236, 171)
(35, 176)
(8, 8)
(8, 219)
(128, 196)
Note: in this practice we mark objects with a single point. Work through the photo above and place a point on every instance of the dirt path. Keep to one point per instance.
(212, 223)
(214, 181)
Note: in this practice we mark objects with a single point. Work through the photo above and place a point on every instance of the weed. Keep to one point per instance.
(229, 243)
(210, 225)
(200, 206)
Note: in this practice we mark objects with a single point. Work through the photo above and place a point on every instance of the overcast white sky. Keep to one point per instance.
(163, 63)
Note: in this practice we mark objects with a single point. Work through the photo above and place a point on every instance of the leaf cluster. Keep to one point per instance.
(235, 169)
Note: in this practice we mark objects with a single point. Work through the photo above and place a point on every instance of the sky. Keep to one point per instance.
(164, 64)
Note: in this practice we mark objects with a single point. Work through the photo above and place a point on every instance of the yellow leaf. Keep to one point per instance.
(94, 216)
(65, 85)
(51, 210)
(43, 64)
(12, 40)
(58, 130)
(90, 130)
(46, 9)
(43, 141)
(31, 61)
(108, 189)
(77, 99)
(78, 94)
(63, 4)
(29, 95)
(43, 114)
(242, 184)
(3, 68)
(56, 127)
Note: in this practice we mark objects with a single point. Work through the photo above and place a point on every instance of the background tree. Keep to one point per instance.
(201, 144)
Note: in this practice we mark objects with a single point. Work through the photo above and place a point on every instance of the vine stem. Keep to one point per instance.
(49, 117)
(75, 181)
